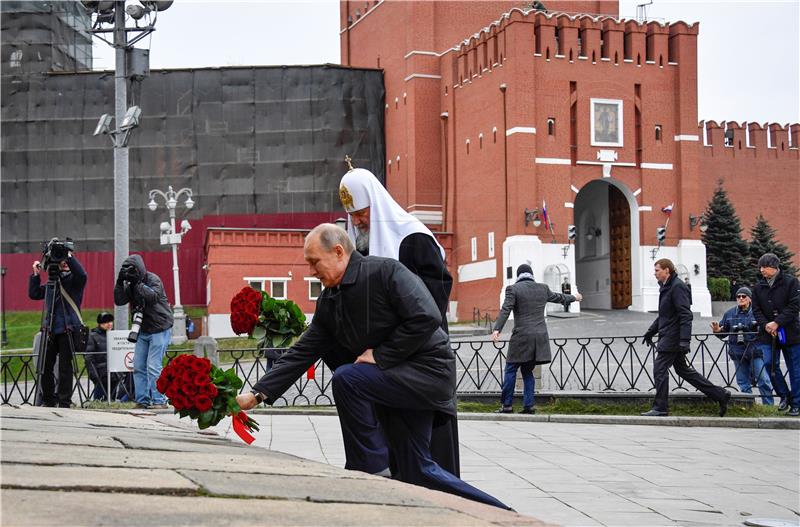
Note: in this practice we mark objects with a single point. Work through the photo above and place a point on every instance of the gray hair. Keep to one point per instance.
(330, 236)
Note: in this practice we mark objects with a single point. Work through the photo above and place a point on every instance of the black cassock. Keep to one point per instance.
(421, 255)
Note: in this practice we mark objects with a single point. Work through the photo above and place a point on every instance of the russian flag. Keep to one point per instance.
(668, 209)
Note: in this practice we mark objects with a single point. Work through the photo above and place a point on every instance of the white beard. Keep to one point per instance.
(362, 241)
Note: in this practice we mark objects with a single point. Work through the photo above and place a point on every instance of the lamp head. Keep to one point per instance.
(103, 124)
(131, 119)
(136, 12)
(189, 202)
(152, 205)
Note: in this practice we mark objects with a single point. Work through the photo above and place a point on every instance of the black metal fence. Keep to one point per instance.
(581, 364)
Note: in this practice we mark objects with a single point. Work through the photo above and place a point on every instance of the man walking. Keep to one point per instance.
(529, 344)
(776, 304)
(674, 329)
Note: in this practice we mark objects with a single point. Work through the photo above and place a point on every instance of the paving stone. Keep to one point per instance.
(101, 478)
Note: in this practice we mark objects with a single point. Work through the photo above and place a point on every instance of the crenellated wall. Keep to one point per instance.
(760, 167)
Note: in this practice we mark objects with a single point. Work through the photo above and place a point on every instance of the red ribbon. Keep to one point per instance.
(241, 428)
(310, 373)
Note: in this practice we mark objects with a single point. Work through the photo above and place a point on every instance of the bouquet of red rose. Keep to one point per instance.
(273, 322)
(198, 389)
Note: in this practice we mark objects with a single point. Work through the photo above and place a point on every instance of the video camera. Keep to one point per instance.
(740, 328)
(54, 252)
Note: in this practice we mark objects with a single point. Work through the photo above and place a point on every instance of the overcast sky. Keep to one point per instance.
(749, 65)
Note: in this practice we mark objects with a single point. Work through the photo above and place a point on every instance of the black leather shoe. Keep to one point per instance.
(654, 413)
(723, 404)
(784, 405)
(794, 412)
(527, 411)
(505, 410)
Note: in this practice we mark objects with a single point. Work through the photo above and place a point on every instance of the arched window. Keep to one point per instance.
(551, 126)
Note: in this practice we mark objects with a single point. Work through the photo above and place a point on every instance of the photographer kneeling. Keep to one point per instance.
(149, 306)
(61, 322)
(740, 323)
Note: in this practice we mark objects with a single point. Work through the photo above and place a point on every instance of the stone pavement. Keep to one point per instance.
(81, 467)
(600, 474)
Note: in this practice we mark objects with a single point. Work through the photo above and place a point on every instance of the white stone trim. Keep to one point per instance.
(683, 137)
(477, 271)
(569, 205)
(416, 52)
(637, 191)
(430, 217)
(552, 161)
(574, 189)
(520, 130)
(645, 208)
(616, 164)
(657, 166)
(422, 76)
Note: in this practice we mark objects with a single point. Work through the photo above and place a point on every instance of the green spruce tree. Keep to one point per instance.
(762, 240)
(726, 251)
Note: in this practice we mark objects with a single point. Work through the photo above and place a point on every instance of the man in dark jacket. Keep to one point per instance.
(145, 293)
(377, 326)
(738, 326)
(97, 357)
(776, 304)
(530, 343)
(64, 326)
(674, 329)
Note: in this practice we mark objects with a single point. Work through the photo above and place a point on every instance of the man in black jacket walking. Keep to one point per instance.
(674, 329)
(145, 293)
(776, 304)
(376, 325)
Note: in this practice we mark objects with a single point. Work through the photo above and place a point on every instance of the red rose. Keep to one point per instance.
(171, 392)
(209, 390)
(203, 403)
(189, 389)
(201, 379)
(162, 384)
(179, 402)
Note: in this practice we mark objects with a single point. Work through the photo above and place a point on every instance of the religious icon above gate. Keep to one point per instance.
(606, 122)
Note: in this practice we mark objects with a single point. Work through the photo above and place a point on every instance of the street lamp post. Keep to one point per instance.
(170, 236)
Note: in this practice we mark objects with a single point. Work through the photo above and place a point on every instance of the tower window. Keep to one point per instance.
(658, 133)
(551, 126)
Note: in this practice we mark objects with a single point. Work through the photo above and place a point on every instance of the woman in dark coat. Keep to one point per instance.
(530, 343)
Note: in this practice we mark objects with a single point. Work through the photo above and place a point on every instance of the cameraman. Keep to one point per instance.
(64, 326)
(145, 293)
(743, 349)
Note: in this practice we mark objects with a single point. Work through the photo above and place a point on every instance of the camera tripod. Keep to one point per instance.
(47, 339)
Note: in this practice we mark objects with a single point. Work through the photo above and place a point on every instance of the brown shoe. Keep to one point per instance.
(162, 406)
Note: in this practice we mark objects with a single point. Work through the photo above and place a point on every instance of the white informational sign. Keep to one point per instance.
(120, 351)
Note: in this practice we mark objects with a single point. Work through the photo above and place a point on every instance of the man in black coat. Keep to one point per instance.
(145, 293)
(63, 325)
(530, 343)
(674, 329)
(776, 304)
(377, 326)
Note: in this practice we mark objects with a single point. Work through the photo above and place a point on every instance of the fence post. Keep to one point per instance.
(207, 347)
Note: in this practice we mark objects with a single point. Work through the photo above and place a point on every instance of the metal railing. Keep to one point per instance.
(579, 364)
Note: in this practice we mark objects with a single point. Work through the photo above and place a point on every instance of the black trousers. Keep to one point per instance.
(686, 371)
(357, 389)
(59, 347)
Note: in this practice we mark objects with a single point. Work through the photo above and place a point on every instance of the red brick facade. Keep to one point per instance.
(488, 113)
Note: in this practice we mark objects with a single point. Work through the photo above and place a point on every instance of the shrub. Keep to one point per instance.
(720, 288)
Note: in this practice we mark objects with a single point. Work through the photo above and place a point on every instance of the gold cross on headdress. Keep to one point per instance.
(348, 160)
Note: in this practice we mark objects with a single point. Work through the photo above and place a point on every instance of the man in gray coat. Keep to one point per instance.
(376, 325)
(530, 343)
